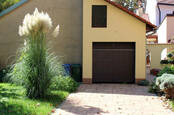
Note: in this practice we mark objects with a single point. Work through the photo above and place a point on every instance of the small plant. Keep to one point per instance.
(166, 84)
(64, 84)
(143, 83)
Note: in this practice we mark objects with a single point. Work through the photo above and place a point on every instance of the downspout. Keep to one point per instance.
(159, 13)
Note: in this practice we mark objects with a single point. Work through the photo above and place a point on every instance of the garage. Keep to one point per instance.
(113, 62)
(114, 43)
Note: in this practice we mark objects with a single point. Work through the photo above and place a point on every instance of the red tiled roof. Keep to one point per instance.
(149, 24)
(152, 36)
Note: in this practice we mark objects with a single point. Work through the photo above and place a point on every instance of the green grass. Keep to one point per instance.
(14, 102)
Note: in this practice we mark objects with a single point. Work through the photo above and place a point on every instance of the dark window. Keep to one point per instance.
(99, 16)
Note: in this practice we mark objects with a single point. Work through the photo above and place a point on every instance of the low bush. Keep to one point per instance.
(164, 62)
(64, 84)
(169, 55)
(166, 84)
(171, 61)
(168, 70)
(143, 83)
(167, 62)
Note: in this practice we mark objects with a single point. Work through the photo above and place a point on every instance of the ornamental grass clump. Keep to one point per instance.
(36, 67)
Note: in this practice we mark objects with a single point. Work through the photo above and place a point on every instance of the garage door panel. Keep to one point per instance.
(114, 62)
(100, 54)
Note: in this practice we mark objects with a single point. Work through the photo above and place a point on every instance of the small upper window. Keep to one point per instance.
(99, 16)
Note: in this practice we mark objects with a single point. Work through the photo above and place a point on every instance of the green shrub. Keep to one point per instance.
(168, 70)
(171, 61)
(164, 62)
(4, 4)
(64, 84)
(143, 83)
(169, 55)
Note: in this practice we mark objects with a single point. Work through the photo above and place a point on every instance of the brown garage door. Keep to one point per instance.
(114, 62)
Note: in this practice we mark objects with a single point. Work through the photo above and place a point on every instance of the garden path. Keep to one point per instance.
(112, 99)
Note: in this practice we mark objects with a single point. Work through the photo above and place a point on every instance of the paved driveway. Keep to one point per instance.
(112, 99)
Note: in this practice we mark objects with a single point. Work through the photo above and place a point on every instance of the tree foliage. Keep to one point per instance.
(129, 4)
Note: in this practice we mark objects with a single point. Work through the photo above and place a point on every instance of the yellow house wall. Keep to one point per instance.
(66, 13)
(121, 27)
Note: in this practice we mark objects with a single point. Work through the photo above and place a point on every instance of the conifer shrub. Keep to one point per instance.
(166, 84)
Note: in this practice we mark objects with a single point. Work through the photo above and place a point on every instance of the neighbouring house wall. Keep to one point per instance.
(121, 27)
(67, 13)
(153, 11)
(170, 27)
(165, 10)
(162, 32)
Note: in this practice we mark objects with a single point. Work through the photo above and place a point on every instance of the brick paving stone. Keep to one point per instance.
(112, 99)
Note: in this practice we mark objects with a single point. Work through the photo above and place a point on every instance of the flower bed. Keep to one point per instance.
(4, 4)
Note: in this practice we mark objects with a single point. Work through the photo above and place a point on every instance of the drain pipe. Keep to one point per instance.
(159, 13)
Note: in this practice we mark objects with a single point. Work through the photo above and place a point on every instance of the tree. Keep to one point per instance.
(130, 4)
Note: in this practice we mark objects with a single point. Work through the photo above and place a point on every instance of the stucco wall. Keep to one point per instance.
(162, 32)
(165, 30)
(166, 9)
(121, 27)
(67, 13)
(170, 25)
(156, 54)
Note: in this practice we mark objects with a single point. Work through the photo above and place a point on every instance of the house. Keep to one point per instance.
(107, 39)
(160, 13)
(158, 9)
(165, 30)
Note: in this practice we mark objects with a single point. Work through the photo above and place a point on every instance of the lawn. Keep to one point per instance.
(14, 102)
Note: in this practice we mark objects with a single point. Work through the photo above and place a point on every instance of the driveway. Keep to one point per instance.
(112, 99)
